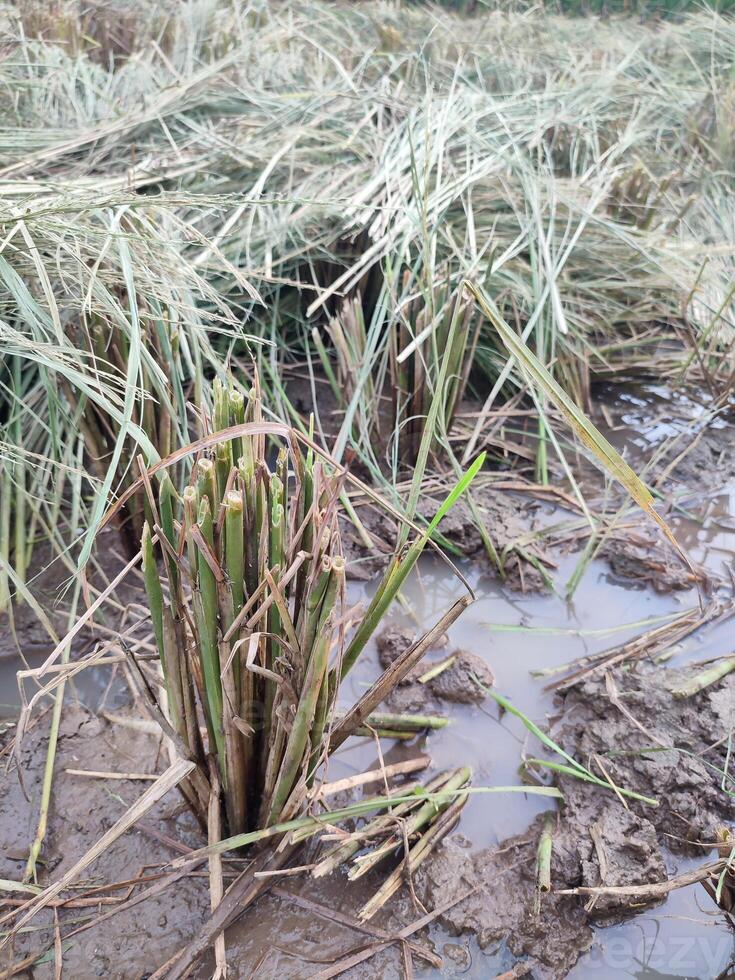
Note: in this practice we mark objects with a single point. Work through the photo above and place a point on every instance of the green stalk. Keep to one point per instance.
(237, 413)
(235, 771)
(362, 731)
(705, 678)
(399, 570)
(251, 538)
(314, 603)
(274, 616)
(206, 604)
(425, 814)
(276, 538)
(223, 467)
(326, 697)
(153, 587)
(190, 519)
(406, 723)
(543, 856)
(171, 659)
(207, 485)
(317, 730)
(221, 405)
(166, 497)
(307, 539)
(234, 555)
(299, 736)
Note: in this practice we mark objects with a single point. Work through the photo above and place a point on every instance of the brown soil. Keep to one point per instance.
(83, 809)
(597, 840)
(682, 740)
(456, 683)
(509, 520)
(131, 944)
(640, 559)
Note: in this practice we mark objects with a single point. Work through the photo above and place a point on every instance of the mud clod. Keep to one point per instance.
(507, 519)
(392, 642)
(644, 561)
(502, 909)
(622, 849)
(597, 841)
(457, 683)
(670, 758)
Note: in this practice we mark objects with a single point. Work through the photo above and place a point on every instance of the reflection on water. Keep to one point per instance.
(516, 635)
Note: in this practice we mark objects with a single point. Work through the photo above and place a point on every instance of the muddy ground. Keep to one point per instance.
(596, 841)
(130, 944)
(670, 748)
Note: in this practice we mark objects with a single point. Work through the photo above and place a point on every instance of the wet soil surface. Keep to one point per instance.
(597, 840)
(628, 726)
(26, 640)
(291, 932)
(458, 675)
(83, 809)
(509, 519)
(686, 455)
(670, 749)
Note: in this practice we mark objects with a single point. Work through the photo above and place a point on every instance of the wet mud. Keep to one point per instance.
(639, 560)
(627, 725)
(662, 747)
(83, 809)
(509, 521)
(294, 931)
(452, 675)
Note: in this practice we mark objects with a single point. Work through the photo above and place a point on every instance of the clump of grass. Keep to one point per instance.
(106, 330)
(255, 582)
(404, 350)
(245, 578)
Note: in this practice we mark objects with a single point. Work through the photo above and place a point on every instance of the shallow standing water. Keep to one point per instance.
(679, 939)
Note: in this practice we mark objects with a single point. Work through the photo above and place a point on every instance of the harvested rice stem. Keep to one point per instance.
(205, 605)
(206, 485)
(298, 738)
(237, 417)
(166, 497)
(425, 814)
(234, 538)
(418, 853)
